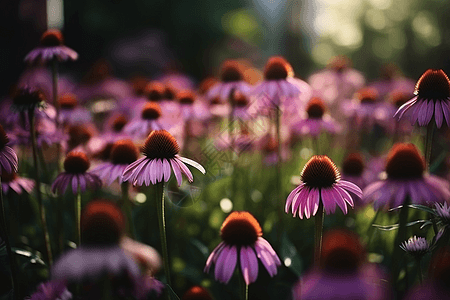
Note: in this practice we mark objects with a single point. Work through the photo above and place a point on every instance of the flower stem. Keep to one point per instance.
(56, 105)
(419, 270)
(4, 236)
(428, 143)
(280, 208)
(318, 228)
(244, 288)
(126, 206)
(162, 231)
(38, 186)
(78, 217)
(401, 236)
(231, 119)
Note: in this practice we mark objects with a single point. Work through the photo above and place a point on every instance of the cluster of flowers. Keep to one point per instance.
(167, 116)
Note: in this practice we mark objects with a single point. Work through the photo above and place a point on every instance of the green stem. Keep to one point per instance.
(38, 186)
(231, 119)
(56, 105)
(5, 237)
(428, 143)
(126, 206)
(279, 198)
(244, 289)
(401, 236)
(371, 229)
(78, 217)
(318, 228)
(419, 270)
(162, 231)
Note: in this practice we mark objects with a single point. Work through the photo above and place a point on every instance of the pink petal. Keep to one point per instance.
(438, 114)
(249, 264)
(176, 171)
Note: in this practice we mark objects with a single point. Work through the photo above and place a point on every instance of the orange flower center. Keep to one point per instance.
(278, 68)
(68, 101)
(404, 162)
(160, 144)
(154, 91)
(433, 85)
(240, 228)
(76, 162)
(316, 108)
(151, 111)
(52, 38)
(353, 165)
(124, 152)
(320, 172)
(231, 72)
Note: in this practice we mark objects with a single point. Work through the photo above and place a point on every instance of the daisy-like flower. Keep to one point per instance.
(197, 293)
(52, 47)
(8, 158)
(316, 120)
(321, 184)
(76, 165)
(27, 98)
(16, 183)
(432, 99)
(416, 246)
(343, 273)
(279, 84)
(123, 153)
(102, 226)
(51, 290)
(161, 156)
(190, 108)
(338, 81)
(232, 79)
(406, 177)
(145, 256)
(71, 113)
(242, 238)
(149, 120)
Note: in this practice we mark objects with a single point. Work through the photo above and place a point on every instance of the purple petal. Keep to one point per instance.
(438, 113)
(184, 169)
(350, 186)
(249, 264)
(166, 170)
(328, 203)
(192, 163)
(446, 111)
(176, 171)
(291, 197)
(225, 264)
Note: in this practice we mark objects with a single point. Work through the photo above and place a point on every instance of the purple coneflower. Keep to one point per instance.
(51, 290)
(279, 84)
(149, 120)
(338, 81)
(102, 226)
(71, 113)
(432, 99)
(161, 155)
(391, 79)
(52, 47)
(8, 158)
(232, 80)
(241, 235)
(316, 120)
(16, 183)
(197, 293)
(321, 184)
(122, 153)
(343, 273)
(75, 174)
(406, 177)
(443, 213)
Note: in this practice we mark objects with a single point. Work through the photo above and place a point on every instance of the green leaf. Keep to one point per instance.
(31, 258)
(423, 208)
(395, 226)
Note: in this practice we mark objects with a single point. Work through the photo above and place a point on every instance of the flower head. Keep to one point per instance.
(102, 226)
(160, 157)
(432, 99)
(321, 184)
(102, 223)
(75, 173)
(122, 154)
(406, 178)
(52, 47)
(278, 68)
(197, 293)
(154, 91)
(16, 183)
(241, 233)
(232, 80)
(8, 158)
(416, 246)
(51, 290)
(27, 98)
(443, 213)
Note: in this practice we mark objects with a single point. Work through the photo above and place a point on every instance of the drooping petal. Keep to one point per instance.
(291, 197)
(176, 171)
(438, 115)
(225, 264)
(249, 264)
(184, 169)
(166, 170)
(192, 163)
